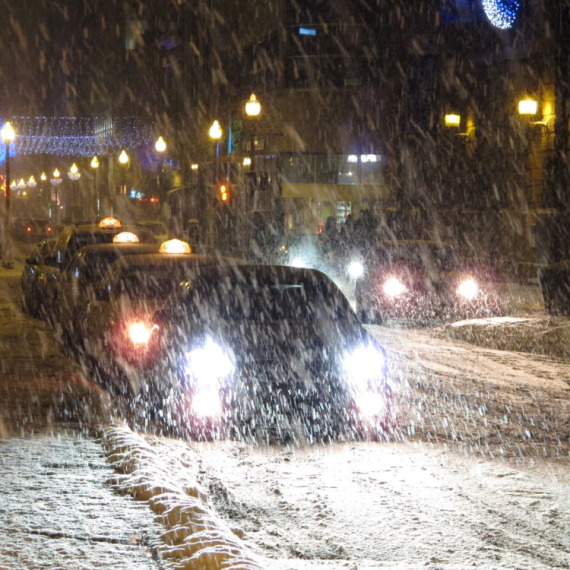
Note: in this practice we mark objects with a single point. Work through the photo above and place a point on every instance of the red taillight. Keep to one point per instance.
(49, 229)
(29, 229)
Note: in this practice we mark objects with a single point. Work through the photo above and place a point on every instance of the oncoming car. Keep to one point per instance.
(266, 351)
(423, 281)
(115, 322)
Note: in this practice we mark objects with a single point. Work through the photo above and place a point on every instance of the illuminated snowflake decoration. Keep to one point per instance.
(501, 13)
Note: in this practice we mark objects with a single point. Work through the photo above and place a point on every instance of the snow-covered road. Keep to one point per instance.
(476, 475)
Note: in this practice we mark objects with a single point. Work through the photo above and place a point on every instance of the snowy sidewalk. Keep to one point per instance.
(56, 510)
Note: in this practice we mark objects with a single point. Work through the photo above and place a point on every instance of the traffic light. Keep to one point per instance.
(224, 192)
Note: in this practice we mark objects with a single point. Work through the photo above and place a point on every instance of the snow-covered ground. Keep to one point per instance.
(475, 475)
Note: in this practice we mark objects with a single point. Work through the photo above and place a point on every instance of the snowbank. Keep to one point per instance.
(195, 537)
(537, 334)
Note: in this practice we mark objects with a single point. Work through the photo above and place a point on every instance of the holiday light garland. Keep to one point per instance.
(501, 13)
(78, 136)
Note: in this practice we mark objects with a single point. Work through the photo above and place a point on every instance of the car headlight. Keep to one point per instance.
(209, 364)
(393, 287)
(468, 289)
(364, 364)
(139, 333)
(356, 269)
(299, 262)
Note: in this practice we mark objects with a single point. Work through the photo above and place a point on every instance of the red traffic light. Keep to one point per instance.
(224, 192)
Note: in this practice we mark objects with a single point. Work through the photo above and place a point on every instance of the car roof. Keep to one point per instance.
(135, 248)
(162, 259)
(281, 272)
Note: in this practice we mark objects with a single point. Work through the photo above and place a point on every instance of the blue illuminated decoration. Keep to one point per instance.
(78, 136)
(307, 32)
(501, 13)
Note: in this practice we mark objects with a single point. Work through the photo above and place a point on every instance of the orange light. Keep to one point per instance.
(126, 237)
(174, 246)
(29, 229)
(139, 333)
(224, 192)
(154, 200)
(110, 223)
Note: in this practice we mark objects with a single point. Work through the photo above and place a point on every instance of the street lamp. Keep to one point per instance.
(43, 178)
(74, 175)
(55, 182)
(252, 110)
(8, 135)
(124, 160)
(32, 182)
(95, 167)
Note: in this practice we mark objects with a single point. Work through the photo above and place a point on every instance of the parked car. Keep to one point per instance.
(77, 283)
(31, 230)
(422, 281)
(33, 281)
(116, 322)
(268, 350)
(75, 236)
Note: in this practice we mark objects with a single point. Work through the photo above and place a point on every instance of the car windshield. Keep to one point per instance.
(268, 300)
(436, 257)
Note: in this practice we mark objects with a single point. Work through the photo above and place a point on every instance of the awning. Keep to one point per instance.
(336, 192)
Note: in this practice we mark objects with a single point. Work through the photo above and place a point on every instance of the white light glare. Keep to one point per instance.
(206, 403)
(468, 289)
(299, 262)
(208, 364)
(363, 364)
(394, 287)
(371, 404)
(355, 269)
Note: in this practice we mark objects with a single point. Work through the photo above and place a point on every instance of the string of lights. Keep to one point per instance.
(78, 136)
(501, 13)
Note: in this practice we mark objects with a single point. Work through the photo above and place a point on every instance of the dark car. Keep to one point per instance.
(75, 236)
(31, 230)
(422, 281)
(77, 284)
(268, 350)
(117, 322)
(34, 276)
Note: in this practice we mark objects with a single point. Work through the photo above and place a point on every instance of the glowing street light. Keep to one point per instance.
(253, 106)
(123, 157)
(215, 131)
(8, 134)
(528, 107)
(160, 145)
(74, 173)
(95, 162)
(32, 182)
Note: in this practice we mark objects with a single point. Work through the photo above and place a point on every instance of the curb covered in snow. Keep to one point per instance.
(195, 537)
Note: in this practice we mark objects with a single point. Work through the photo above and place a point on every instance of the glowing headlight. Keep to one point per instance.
(208, 364)
(356, 269)
(363, 364)
(139, 333)
(394, 287)
(299, 262)
(468, 289)
(371, 404)
(207, 403)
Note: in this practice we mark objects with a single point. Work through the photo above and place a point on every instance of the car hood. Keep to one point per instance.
(285, 341)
